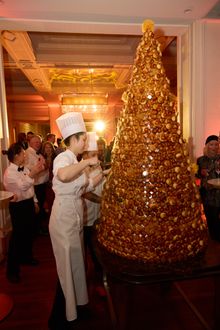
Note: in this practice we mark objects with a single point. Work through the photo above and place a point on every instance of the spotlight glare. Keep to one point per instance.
(99, 126)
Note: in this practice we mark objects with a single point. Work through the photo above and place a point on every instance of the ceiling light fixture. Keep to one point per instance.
(84, 102)
(187, 11)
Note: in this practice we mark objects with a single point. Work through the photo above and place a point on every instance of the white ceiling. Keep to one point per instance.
(114, 11)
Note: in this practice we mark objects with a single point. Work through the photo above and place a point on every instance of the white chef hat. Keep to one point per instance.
(70, 123)
(92, 141)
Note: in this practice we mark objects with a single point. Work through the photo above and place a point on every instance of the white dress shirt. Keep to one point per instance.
(19, 183)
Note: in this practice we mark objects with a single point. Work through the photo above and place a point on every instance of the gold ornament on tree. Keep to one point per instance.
(150, 207)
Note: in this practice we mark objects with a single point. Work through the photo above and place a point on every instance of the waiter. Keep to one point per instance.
(19, 180)
(66, 222)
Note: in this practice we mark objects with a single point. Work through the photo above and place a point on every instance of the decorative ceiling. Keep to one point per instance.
(41, 67)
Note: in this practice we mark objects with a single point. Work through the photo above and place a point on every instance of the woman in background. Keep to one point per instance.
(48, 151)
(208, 169)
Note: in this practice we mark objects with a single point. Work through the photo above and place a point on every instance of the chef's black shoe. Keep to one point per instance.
(30, 262)
(83, 312)
(62, 324)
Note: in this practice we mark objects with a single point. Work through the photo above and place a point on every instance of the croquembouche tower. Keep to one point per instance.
(150, 207)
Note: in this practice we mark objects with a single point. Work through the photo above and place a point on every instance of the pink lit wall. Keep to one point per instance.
(212, 77)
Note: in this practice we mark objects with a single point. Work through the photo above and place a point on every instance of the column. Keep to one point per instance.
(54, 112)
(5, 223)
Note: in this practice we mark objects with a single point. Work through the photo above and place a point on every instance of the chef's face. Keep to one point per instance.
(92, 154)
(80, 143)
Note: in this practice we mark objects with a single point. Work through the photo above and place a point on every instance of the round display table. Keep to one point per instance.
(121, 278)
(4, 195)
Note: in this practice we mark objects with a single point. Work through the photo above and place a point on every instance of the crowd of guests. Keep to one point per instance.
(57, 191)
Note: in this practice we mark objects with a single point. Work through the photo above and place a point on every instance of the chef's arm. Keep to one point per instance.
(71, 172)
(97, 179)
(93, 182)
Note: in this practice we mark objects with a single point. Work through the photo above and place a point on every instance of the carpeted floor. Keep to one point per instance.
(150, 309)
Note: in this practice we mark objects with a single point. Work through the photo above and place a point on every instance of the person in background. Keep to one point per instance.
(70, 182)
(207, 169)
(60, 146)
(34, 156)
(101, 143)
(49, 154)
(51, 138)
(20, 181)
(109, 152)
(22, 140)
(29, 136)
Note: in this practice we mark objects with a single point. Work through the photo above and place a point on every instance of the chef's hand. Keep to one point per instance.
(39, 167)
(106, 172)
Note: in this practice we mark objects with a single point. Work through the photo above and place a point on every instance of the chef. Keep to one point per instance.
(92, 199)
(70, 181)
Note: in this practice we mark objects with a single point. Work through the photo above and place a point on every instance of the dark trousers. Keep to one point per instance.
(40, 191)
(21, 240)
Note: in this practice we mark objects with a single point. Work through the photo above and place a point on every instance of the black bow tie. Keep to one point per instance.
(20, 168)
(38, 152)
